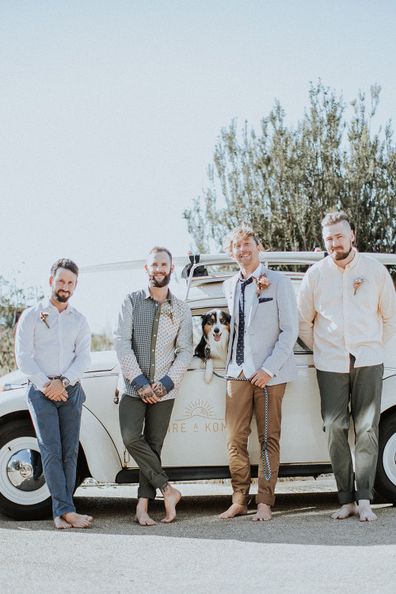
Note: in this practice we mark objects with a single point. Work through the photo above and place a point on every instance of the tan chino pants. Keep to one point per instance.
(242, 400)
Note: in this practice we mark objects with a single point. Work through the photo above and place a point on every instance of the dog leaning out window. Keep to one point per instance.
(211, 350)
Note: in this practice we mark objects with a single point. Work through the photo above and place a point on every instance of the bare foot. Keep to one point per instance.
(236, 509)
(366, 514)
(345, 511)
(171, 498)
(78, 520)
(263, 513)
(142, 516)
(61, 524)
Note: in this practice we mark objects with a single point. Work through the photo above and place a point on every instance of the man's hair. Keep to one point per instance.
(158, 248)
(64, 263)
(244, 231)
(332, 218)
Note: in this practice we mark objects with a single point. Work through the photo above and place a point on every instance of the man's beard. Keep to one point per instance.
(160, 283)
(342, 255)
(61, 298)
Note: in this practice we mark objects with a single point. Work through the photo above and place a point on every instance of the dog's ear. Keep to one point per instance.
(203, 320)
(200, 349)
(227, 317)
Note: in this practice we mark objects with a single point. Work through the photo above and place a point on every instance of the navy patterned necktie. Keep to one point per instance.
(241, 322)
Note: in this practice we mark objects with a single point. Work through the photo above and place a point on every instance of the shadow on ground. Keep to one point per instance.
(299, 518)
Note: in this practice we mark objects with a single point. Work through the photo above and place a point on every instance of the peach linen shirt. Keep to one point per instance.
(336, 320)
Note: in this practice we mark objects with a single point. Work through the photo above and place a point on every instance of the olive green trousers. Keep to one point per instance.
(356, 394)
(143, 429)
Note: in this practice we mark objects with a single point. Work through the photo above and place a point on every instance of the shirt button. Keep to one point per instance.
(152, 350)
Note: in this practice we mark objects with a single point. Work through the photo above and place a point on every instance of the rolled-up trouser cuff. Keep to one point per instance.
(260, 498)
(240, 498)
(345, 497)
(364, 494)
(148, 490)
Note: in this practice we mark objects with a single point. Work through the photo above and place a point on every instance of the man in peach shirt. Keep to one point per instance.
(347, 308)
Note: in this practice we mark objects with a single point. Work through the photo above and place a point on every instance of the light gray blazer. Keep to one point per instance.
(272, 326)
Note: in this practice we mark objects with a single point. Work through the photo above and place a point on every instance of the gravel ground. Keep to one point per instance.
(301, 550)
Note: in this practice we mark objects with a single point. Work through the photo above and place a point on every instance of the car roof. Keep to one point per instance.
(205, 273)
(205, 289)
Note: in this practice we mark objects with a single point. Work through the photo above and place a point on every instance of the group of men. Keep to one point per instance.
(346, 312)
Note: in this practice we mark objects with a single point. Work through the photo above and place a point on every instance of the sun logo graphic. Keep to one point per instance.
(198, 408)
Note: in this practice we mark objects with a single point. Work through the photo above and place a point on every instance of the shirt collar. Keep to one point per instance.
(256, 273)
(349, 266)
(47, 305)
(169, 297)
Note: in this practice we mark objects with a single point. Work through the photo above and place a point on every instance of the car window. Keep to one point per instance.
(197, 329)
(392, 271)
(299, 348)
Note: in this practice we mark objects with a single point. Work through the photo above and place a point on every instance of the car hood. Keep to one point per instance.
(100, 361)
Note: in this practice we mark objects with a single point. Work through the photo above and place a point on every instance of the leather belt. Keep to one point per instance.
(52, 377)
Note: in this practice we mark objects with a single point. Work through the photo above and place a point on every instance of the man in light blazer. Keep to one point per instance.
(264, 329)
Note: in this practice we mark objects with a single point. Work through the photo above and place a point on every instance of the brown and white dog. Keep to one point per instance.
(212, 348)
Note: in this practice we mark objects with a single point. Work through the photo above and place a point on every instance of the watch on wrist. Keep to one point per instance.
(65, 382)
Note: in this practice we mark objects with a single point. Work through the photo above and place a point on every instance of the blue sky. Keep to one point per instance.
(110, 110)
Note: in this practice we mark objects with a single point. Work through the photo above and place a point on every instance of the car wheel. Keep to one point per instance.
(24, 494)
(385, 482)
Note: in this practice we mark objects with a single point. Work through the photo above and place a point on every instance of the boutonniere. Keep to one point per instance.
(357, 283)
(167, 311)
(262, 283)
(43, 317)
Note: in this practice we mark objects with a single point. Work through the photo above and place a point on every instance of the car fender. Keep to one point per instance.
(388, 399)
(12, 401)
(101, 454)
(100, 451)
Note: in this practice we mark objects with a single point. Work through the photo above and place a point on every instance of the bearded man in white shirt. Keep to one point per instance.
(347, 308)
(52, 348)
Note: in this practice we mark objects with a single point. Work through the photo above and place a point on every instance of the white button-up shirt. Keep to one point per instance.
(60, 349)
(248, 367)
(347, 311)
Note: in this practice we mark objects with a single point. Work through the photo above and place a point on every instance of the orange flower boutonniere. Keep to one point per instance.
(262, 283)
(357, 283)
(166, 310)
(43, 318)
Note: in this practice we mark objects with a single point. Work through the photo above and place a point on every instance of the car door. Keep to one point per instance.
(303, 440)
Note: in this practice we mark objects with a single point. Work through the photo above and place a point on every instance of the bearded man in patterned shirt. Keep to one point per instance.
(154, 346)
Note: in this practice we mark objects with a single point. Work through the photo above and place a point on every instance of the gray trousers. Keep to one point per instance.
(143, 429)
(356, 394)
(57, 426)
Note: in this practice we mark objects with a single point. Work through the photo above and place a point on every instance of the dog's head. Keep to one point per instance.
(215, 333)
(214, 323)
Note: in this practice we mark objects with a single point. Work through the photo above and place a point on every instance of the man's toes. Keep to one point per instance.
(61, 524)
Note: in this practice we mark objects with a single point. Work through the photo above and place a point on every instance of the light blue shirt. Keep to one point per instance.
(60, 347)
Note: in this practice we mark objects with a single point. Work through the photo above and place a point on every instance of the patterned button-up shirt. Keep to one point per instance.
(153, 342)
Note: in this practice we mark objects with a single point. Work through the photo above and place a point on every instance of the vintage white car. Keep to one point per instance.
(195, 447)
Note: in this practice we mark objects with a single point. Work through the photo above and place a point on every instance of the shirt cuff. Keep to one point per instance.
(72, 380)
(39, 382)
(267, 371)
(139, 381)
(167, 383)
